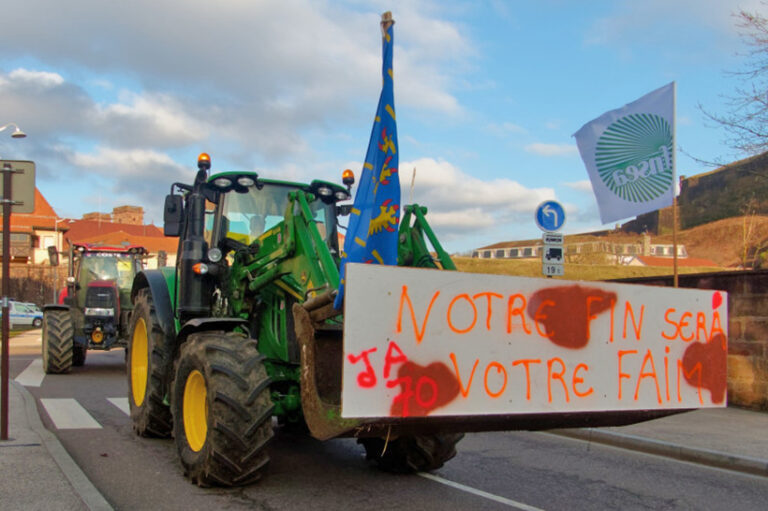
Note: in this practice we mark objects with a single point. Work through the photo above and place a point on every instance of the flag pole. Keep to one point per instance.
(674, 182)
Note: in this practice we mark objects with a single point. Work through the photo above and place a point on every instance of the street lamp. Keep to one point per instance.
(17, 133)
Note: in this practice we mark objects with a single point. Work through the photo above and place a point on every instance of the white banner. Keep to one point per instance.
(423, 342)
(630, 155)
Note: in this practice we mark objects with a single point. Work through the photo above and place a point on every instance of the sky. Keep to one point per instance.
(119, 98)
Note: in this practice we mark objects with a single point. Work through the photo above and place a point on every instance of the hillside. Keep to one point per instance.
(723, 241)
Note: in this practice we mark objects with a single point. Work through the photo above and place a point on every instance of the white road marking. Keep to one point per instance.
(67, 413)
(480, 493)
(33, 375)
(121, 403)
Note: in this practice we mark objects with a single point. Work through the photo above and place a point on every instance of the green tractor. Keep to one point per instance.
(243, 329)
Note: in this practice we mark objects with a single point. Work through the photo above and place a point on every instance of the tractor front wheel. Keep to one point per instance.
(407, 454)
(58, 341)
(222, 410)
(149, 358)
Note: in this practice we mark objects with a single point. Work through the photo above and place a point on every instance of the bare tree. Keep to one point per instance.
(746, 120)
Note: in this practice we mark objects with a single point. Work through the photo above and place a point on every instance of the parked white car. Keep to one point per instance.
(24, 314)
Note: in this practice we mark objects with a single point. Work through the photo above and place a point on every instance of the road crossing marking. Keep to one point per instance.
(121, 403)
(67, 413)
(479, 493)
(33, 375)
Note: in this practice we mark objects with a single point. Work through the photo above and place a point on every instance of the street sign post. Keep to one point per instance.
(550, 216)
(553, 256)
(19, 176)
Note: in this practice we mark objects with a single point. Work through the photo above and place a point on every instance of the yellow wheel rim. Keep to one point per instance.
(139, 362)
(195, 410)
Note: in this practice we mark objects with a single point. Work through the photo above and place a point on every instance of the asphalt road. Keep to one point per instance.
(86, 409)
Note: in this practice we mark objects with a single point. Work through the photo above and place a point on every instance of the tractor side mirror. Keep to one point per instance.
(343, 209)
(53, 255)
(173, 214)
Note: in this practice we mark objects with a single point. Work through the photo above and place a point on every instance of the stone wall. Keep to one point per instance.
(747, 329)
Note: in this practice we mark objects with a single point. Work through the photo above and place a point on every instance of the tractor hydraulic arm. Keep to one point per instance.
(413, 250)
(292, 255)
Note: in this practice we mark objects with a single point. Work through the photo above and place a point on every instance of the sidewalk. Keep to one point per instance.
(729, 438)
(36, 472)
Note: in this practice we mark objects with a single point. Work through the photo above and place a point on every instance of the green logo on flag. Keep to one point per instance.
(634, 157)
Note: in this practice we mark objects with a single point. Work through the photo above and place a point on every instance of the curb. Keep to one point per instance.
(745, 464)
(83, 487)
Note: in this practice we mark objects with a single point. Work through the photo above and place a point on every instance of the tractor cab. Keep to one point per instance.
(101, 282)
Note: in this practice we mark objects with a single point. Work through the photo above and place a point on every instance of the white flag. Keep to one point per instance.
(630, 155)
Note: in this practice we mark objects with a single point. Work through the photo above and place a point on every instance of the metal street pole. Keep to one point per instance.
(7, 171)
(4, 369)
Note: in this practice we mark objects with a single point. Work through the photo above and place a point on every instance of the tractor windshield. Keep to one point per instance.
(246, 216)
(118, 267)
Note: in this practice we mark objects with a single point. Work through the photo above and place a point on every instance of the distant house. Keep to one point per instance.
(123, 227)
(155, 245)
(620, 251)
(32, 233)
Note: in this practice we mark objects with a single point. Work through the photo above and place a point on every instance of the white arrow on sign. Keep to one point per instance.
(547, 211)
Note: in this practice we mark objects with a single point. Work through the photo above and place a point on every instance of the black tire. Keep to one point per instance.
(149, 365)
(58, 341)
(222, 428)
(78, 355)
(37, 322)
(408, 454)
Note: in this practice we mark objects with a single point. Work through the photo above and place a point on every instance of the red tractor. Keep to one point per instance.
(94, 309)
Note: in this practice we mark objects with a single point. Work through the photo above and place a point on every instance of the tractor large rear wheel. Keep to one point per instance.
(150, 367)
(222, 410)
(58, 341)
(407, 454)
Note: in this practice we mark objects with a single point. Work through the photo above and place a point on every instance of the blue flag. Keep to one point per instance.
(372, 232)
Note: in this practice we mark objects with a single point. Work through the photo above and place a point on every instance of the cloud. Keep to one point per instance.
(139, 177)
(254, 79)
(505, 128)
(157, 120)
(581, 186)
(661, 21)
(40, 79)
(460, 204)
(551, 149)
(309, 56)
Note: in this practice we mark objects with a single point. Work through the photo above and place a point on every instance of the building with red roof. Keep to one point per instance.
(32, 233)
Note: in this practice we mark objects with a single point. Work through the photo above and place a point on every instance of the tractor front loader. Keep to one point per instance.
(243, 329)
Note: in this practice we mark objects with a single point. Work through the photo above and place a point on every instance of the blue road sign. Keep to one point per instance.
(550, 216)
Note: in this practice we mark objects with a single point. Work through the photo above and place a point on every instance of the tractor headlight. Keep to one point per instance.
(341, 195)
(245, 181)
(99, 311)
(214, 255)
(222, 182)
(324, 191)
